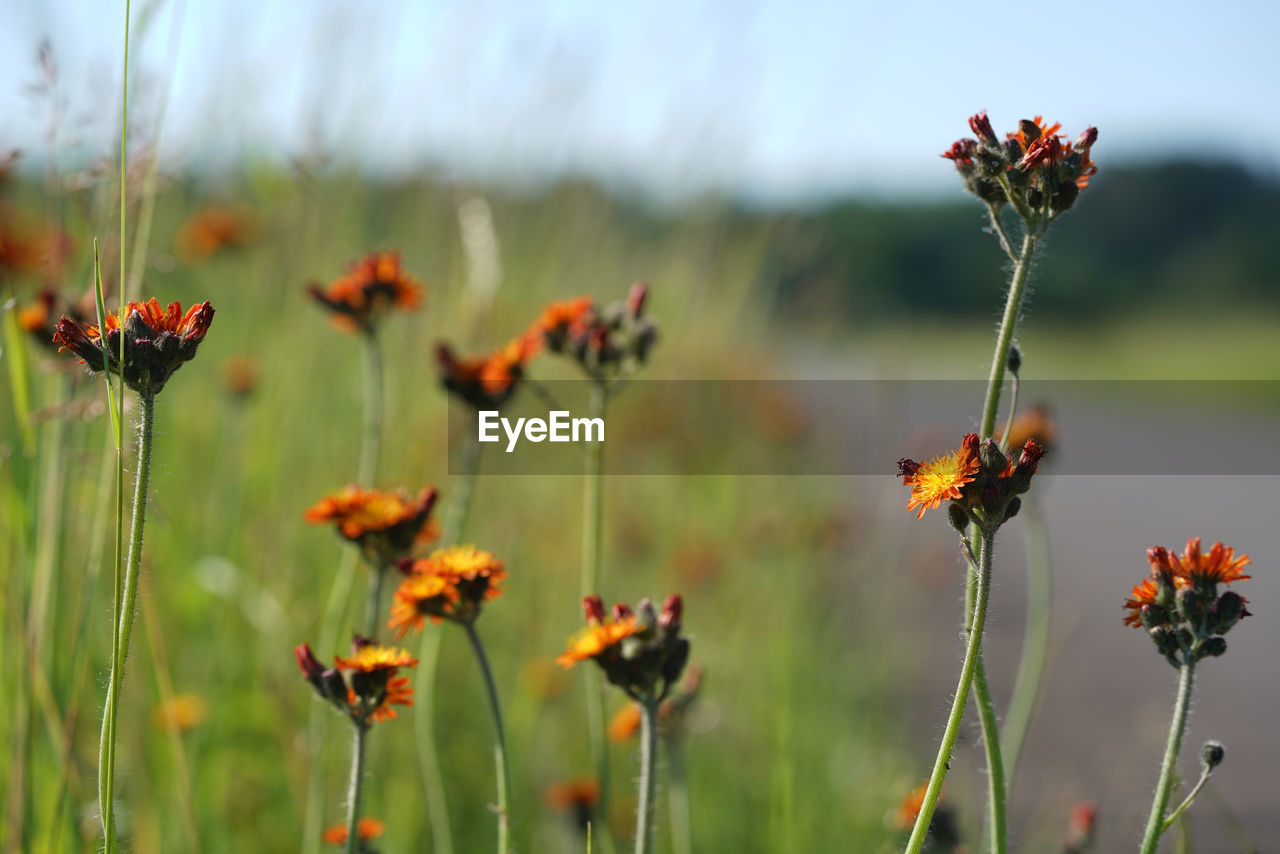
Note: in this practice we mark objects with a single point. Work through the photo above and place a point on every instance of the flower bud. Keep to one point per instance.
(1225, 612)
(1188, 605)
(1065, 195)
(1213, 647)
(593, 606)
(1015, 504)
(308, 664)
(958, 516)
(1014, 361)
(1153, 617)
(676, 658)
(1086, 140)
(636, 297)
(622, 611)
(1165, 640)
(648, 617)
(1212, 754)
(333, 687)
(993, 461)
(1164, 589)
(981, 126)
(672, 610)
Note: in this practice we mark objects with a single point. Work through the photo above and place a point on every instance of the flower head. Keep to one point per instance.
(212, 230)
(367, 830)
(181, 712)
(942, 477)
(487, 381)
(641, 652)
(452, 584)
(157, 341)
(385, 524)
(374, 686)
(1179, 604)
(369, 290)
(604, 342)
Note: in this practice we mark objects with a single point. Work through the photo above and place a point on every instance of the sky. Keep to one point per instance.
(768, 99)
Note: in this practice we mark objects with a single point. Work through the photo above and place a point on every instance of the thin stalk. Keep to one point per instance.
(1035, 643)
(1188, 800)
(455, 523)
(373, 600)
(972, 651)
(996, 791)
(592, 550)
(678, 797)
(343, 580)
(124, 626)
(648, 773)
(1169, 765)
(502, 763)
(355, 790)
(1004, 339)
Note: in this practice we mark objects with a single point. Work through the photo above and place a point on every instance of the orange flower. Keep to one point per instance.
(1220, 565)
(1034, 423)
(1029, 131)
(371, 657)
(598, 638)
(584, 791)
(211, 230)
(569, 317)
(35, 317)
(371, 287)
(488, 380)
(1143, 593)
(941, 477)
(909, 810)
(367, 829)
(157, 341)
(384, 524)
(451, 584)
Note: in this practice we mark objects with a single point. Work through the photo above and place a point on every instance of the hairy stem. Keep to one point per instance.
(1004, 339)
(1169, 765)
(124, 624)
(648, 773)
(951, 733)
(355, 790)
(501, 761)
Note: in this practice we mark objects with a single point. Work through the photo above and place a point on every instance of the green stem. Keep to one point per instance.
(124, 625)
(501, 761)
(371, 439)
(648, 773)
(592, 550)
(972, 651)
(455, 523)
(1004, 339)
(1188, 800)
(343, 580)
(1035, 644)
(373, 600)
(996, 793)
(356, 789)
(1169, 765)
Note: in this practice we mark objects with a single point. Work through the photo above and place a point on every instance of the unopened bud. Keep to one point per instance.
(672, 611)
(1014, 361)
(593, 607)
(981, 125)
(677, 657)
(648, 617)
(1153, 617)
(333, 687)
(993, 461)
(1015, 504)
(622, 611)
(636, 297)
(1086, 140)
(1213, 647)
(1212, 754)
(1164, 589)
(958, 516)
(1165, 640)
(1226, 611)
(1188, 604)
(308, 664)
(1065, 195)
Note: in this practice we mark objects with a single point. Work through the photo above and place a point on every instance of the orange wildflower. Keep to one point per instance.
(626, 723)
(584, 791)
(598, 638)
(909, 809)
(182, 712)
(1143, 593)
(569, 318)
(941, 477)
(1220, 565)
(370, 658)
(385, 524)
(157, 341)
(451, 584)
(367, 829)
(488, 380)
(370, 288)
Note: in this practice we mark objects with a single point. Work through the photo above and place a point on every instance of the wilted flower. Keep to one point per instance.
(452, 584)
(385, 524)
(371, 287)
(157, 341)
(605, 342)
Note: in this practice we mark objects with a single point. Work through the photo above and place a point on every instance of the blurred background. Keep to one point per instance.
(773, 172)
